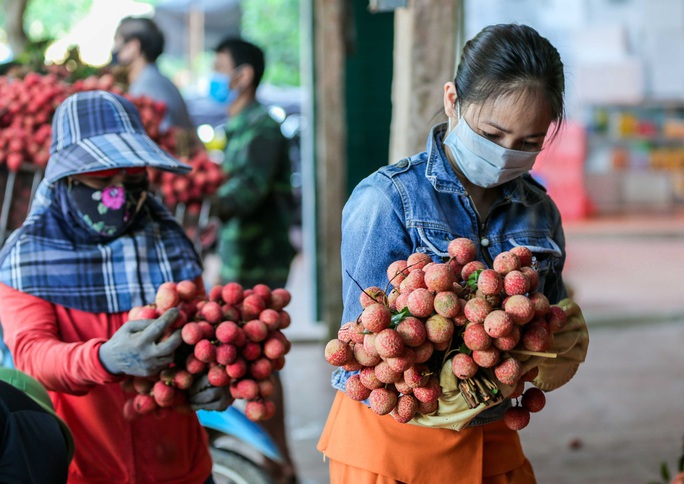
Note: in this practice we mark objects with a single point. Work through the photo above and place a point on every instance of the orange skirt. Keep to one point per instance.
(364, 447)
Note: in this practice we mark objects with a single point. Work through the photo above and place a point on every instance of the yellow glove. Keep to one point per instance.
(453, 411)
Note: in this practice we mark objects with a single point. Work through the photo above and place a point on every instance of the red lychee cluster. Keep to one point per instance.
(488, 320)
(234, 337)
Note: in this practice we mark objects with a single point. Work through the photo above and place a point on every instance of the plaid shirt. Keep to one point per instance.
(255, 203)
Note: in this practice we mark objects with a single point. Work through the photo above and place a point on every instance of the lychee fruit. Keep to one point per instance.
(217, 376)
(260, 369)
(230, 332)
(166, 297)
(371, 295)
(252, 306)
(266, 387)
(232, 293)
(355, 389)
(401, 301)
(498, 324)
(396, 272)
(518, 391)
(417, 261)
(144, 404)
(424, 352)
(226, 353)
(533, 399)
(205, 351)
(255, 330)
(271, 318)
(439, 329)
(486, 358)
(531, 374)
(417, 375)
(376, 317)
(516, 418)
(515, 282)
(191, 333)
(532, 276)
(407, 406)
(237, 369)
(415, 280)
(163, 394)
(477, 309)
(540, 304)
(382, 400)
(280, 298)
(412, 331)
(215, 293)
(389, 343)
(187, 290)
(385, 374)
(369, 379)
(463, 366)
(447, 304)
(472, 267)
(402, 387)
(248, 388)
(208, 330)
(439, 277)
(211, 312)
(506, 262)
(519, 308)
(369, 344)
(427, 408)
(508, 371)
(251, 351)
(489, 282)
(556, 318)
(402, 362)
(475, 337)
(274, 348)
(524, 255)
(193, 365)
(255, 410)
(536, 338)
(363, 357)
(392, 298)
(462, 249)
(430, 392)
(183, 379)
(264, 292)
(509, 341)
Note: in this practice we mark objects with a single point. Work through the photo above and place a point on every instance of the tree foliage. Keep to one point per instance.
(50, 19)
(274, 26)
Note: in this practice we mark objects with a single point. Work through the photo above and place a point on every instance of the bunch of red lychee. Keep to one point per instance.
(487, 320)
(233, 337)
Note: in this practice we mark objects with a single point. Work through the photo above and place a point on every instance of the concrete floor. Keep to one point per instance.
(621, 416)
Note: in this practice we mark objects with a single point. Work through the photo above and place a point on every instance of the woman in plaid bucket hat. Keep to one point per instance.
(94, 245)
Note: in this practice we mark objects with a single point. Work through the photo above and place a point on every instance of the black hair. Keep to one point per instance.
(507, 58)
(146, 31)
(244, 52)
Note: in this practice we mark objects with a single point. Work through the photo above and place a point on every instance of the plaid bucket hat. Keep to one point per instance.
(100, 130)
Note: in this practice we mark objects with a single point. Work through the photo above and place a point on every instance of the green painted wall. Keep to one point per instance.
(368, 90)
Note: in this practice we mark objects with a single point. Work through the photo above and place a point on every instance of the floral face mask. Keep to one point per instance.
(111, 210)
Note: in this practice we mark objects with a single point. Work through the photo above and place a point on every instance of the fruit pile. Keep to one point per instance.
(234, 338)
(28, 104)
(488, 321)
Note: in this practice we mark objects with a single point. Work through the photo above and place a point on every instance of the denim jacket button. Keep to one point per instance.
(484, 242)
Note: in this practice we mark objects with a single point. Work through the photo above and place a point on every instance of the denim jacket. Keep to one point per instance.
(419, 205)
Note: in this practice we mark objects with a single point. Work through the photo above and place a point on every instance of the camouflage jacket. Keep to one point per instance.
(255, 203)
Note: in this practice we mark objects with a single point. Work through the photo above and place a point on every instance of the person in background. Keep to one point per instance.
(95, 244)
(138, 43)
(473, 182)
(255, 203)
(37, 446)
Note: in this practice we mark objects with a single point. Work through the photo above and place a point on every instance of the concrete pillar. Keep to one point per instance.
(427, 39)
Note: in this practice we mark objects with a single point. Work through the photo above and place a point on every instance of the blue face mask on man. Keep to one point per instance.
(482, 161)
(220, 90)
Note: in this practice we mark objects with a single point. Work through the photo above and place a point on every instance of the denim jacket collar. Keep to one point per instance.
(442, 176)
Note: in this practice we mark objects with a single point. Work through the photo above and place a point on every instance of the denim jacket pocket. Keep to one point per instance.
(544, 249)
(434, 241)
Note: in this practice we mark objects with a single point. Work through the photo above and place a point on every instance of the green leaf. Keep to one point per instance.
(399, 316)
(665, 471)
(101, 208)
(472, 279)
(464, 349)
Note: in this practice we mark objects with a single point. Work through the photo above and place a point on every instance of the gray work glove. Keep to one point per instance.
(135, 348)
(203, 396)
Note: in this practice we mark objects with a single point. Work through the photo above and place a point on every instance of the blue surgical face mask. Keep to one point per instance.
(482, 161)
(219, 89)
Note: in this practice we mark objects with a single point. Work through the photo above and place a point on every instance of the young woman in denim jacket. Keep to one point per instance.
(472, 181)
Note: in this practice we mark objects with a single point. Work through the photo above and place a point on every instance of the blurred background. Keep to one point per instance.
(357, 84)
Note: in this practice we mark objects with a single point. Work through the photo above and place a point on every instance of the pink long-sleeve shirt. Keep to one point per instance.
(59, 347)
